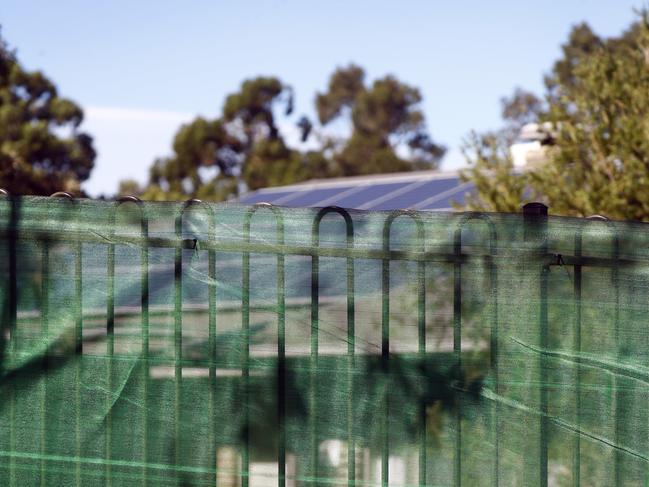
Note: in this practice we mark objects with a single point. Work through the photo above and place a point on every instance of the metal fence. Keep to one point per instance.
(141, 465)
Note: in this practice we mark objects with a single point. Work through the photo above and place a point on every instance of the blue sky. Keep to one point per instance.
(140, 69)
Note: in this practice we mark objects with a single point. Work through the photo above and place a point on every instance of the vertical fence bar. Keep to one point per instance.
(110, 349)
(211, 257)
(493, 336)
(315, 298)
(212, 350)
(12, 323)
(495, 349)
(385, 355)
(576, 458)
(178, 333)
(144, 315)
(13, 272)
(421, 334)
(78, 337)
(6, 305)
(281, 354)
(45, 265)
(421, 350)
(351, 357)
(178, 336)
(615, 278)
(457, 351)
(281, 333)
(245, 357)
(385, 369)
(78, 333)
(543, 323)
(618, 356)
(78, 344)
(211, 326)
(616, 401)
(313, 364)
(535, 217)
(144, 305)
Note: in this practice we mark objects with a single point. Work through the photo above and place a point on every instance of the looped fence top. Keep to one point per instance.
(279, 220)
(349, 224)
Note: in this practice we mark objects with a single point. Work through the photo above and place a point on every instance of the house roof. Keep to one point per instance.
(421, 190)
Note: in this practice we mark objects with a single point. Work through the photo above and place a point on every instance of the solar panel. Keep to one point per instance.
(262, 196)
(369, 193)
(407, 191)
(447, 202)
(314, 196)
(418, 193)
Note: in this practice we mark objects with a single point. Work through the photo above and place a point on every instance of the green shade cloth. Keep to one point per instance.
(195, 344)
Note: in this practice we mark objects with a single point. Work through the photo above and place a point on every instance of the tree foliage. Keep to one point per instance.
(597, 101)
(202, 166)
(210, 157)
(345, 84)
(245, 147)
(252, 108)
(384, 116)
(41, 148)
(521, 108)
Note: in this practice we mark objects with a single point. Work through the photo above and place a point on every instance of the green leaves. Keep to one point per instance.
(35, 156)
(252, 106)
(383, 116)
(245, 145)
(345, 84)
(597, 102)
(498, 187)
(211, 155)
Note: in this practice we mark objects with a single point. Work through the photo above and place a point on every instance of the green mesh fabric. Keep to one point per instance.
(195, 344)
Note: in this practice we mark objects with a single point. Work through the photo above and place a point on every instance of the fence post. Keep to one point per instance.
(535, 218)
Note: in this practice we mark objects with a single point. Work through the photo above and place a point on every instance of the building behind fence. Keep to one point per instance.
(200, 344)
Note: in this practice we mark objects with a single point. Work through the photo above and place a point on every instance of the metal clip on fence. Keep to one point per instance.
(597, 217)
(62, 194)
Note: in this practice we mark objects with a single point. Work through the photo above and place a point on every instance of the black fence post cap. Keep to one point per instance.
(535, 209)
